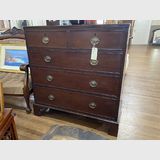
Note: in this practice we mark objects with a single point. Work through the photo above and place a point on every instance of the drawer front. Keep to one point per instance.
(107, 61)
(77, 38)
(75, 101)
(100, 84)
(106, 39)
(47, 39)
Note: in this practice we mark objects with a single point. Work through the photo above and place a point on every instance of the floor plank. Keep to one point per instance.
(141, 96)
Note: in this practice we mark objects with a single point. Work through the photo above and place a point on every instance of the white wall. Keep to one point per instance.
(141, 31)
(17, 23)
(156, 22)
(37, 22)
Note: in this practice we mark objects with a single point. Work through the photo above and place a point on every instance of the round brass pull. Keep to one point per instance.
(45, 40)
(92, 105)
(94, 40)
(93, 62)
(93, 84)
(49, 78)
(47, 59)
(51, 97)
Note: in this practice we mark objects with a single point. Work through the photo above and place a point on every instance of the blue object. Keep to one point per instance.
(15, 57)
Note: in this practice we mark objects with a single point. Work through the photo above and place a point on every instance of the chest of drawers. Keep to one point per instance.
(64, 77)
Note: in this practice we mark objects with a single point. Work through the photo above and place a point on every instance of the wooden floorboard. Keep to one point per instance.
(31, 127)
(141, 96)
(140, 117)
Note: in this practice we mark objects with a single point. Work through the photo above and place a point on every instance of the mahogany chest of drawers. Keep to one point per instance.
(65, 77)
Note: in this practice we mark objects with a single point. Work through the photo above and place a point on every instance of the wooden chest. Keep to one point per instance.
(66, 78)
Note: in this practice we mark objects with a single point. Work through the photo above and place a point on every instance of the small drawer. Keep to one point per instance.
(89, 82)
(103, 39)
(76, 101)
(46, 39)
(107, 61)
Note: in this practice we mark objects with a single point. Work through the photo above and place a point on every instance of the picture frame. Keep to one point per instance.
(11, 57)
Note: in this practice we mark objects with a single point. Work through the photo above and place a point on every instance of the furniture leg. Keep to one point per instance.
(26, 90)
(111, 129)
(37, 110)
(14, 130)
(27, 96)
(7, 126)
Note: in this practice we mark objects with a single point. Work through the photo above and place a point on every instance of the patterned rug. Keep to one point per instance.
(64, 132)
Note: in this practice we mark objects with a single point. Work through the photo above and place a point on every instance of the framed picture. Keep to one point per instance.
(11, 57)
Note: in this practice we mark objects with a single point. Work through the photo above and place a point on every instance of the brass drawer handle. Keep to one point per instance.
(92, 105)
(93, 62)
(94, 40)
(47, 59)
(49, 78)
(93, 84)
(45, 40)
(51, 97)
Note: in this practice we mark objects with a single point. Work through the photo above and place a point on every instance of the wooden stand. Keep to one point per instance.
(7, 126)
(1, 101)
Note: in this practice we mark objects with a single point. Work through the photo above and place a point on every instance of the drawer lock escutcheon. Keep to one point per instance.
(45, 40)
(94, 40)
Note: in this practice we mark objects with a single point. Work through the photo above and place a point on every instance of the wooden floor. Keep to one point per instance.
(140, 117)
(141, 96)
(30, 127)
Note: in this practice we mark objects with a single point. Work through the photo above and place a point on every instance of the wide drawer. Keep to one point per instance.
(89, 82)
(77, 37)
(76, 101)
(107, 61)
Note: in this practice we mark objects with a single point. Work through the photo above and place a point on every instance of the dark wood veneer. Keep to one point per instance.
(108, 85)
(76, 39)
(77, 59)
(68, 49)
(76, 101)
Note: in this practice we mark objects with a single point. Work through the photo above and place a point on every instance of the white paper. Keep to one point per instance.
(94, 53)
